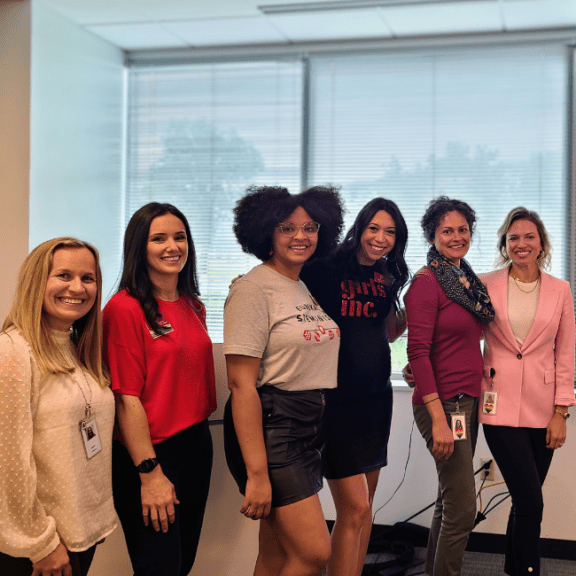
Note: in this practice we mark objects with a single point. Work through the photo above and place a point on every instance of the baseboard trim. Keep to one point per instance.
(478, 541)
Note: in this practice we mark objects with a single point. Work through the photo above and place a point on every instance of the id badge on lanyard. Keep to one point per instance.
(458, 424)
(490, 399)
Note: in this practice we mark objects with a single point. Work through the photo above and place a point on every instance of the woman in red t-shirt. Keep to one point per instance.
(162, 372)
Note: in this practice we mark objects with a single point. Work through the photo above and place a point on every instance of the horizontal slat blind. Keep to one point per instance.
(197, 137)
(485, 125)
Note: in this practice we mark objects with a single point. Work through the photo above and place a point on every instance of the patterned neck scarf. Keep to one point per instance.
(461, 285)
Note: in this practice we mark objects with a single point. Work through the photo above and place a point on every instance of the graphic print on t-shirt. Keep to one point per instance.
(359, 298)
(313, 313)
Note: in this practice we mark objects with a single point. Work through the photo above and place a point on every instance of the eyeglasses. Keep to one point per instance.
(290, 230)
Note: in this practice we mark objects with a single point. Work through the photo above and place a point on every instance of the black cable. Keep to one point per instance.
(497, 503)
(481, 486)
(403, 477)
(392, 547)
(420, 512)
(484, 467)
(496, 496)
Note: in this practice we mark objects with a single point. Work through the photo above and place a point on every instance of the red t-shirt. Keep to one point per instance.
(172, 374)
(443, 341)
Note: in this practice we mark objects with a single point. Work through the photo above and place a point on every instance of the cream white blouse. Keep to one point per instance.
(522, 306)
(49, 490)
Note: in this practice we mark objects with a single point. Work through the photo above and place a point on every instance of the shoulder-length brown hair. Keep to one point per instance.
(521, 213)
(26, 314)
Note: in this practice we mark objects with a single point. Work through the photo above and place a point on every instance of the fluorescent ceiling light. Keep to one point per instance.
(348, 5)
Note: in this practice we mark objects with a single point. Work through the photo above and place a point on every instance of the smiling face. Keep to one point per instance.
(377, 239)
(167, 248)
(452, 237)
(71, 287)
(291, 253)
(523, 243)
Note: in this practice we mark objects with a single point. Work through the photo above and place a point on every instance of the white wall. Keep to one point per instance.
(229, 542)
(77, 116)
(14, 143)
(420, 485)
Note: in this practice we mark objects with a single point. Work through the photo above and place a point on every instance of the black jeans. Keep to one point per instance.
(524, 460)
(80, 562)
(186, 460)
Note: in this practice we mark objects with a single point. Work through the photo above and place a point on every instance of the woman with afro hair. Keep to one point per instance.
(281, 355)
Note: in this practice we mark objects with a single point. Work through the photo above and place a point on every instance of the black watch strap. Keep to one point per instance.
(147, 465)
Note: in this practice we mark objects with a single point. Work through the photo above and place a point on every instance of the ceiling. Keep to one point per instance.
(161, 24)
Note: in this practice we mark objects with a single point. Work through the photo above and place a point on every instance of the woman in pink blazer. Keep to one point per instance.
(528, 381)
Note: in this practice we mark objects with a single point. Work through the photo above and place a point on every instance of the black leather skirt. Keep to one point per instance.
(292, 423)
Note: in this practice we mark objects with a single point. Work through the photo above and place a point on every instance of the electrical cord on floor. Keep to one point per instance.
(432, 504)
(505, 495)
(404, 551)
(482, 513)
(482, 487)
(479, 493)
(403, 477)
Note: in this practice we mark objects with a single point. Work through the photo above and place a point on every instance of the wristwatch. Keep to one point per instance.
(564, 415)
(147, 465)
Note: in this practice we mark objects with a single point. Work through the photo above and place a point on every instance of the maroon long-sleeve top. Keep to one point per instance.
(443, 342)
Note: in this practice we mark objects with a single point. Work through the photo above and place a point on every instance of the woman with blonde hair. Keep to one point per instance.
(528, 380)
(55, 484)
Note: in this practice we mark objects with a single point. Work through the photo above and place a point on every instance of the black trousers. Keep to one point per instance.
(524, 461)
(186, 460)
(80, 562)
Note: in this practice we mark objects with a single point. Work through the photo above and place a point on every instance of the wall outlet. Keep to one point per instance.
(489, 474)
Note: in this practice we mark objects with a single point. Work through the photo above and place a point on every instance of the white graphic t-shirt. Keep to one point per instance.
(271, 317)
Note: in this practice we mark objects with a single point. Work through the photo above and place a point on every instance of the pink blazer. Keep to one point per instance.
(532, 380)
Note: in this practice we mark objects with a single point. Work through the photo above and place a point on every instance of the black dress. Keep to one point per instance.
(359, 410)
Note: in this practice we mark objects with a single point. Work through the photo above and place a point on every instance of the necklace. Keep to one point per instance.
(87, 406)
(518, 282)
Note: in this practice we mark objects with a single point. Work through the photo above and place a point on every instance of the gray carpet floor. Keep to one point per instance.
(475, 564)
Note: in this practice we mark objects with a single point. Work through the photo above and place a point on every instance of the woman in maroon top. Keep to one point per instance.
(447, 306)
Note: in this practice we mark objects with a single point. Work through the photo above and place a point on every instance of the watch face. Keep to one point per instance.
(147, 465)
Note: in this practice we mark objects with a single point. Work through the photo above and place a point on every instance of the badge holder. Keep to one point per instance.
(90, 435)
(490, 399)
(458, 424)
(490, 402)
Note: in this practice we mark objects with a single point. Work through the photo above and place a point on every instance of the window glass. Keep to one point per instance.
(485, 125)
(197, 137)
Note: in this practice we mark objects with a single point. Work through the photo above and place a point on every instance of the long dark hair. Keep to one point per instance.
(393, 265)
(135, 277)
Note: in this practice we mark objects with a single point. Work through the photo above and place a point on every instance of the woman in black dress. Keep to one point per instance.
(358, 287)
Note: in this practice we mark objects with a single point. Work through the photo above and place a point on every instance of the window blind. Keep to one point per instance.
(486, 125)
(197, 137)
